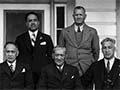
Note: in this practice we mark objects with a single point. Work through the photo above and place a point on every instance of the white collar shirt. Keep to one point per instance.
(111, 62)
(13, 64)
(76, 27)
(61, 67)
(31, 34)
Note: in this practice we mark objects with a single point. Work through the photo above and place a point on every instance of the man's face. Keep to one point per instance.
(108, 50)
(79, 16)
(32, 22)
(11, 52)
(59, 57)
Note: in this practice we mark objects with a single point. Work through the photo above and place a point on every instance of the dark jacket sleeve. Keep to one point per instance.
(95, 45)
(87, 78)
(50, 47)
(78, 84)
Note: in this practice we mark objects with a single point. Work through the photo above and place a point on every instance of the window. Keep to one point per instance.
(60, 19)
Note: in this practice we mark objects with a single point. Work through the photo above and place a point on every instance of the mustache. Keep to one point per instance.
(33, 24)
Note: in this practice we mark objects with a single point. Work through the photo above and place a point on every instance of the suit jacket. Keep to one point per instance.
(37, 56)
(21, 79)
(98, 75)
(81, 55)
(53, 79)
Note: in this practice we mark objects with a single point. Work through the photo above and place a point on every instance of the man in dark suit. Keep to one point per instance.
(35, 47)
(14, 74)
(59, 75)
(104, 74)
(81, 42)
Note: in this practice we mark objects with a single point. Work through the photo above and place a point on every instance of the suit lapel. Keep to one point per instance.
(85, 34)
(56, 72)
(71, 35)
(115, 70)
(102, 70)
(65, 72)
(38, 39)
(17, 69)
(27, 41)
(6, 68)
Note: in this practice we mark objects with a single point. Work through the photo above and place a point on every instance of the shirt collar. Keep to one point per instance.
(111, 62)
(14, 63)
(76, 27)
(60, 66)
(35, 32)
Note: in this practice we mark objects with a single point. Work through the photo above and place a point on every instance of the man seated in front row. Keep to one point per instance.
(105, 73)
(14, 74)
(59, 75)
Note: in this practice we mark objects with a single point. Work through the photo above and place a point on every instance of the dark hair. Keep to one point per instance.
(13, 43)
(31, 13)
(79, 7)
(107, 39)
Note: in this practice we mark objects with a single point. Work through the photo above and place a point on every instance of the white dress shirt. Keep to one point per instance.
(76, 27)
(13, 64)
(111, 62)
(60, 67)
(31, 34)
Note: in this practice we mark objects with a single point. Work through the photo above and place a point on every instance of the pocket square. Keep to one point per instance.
(43, 43)
(72, 77)
(23, 70)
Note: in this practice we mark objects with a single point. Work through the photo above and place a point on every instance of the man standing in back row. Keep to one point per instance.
(81, 42)
(35, 47)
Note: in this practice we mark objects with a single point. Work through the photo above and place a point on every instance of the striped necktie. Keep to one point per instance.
(108, 66)
(11, 68)
(33, 39)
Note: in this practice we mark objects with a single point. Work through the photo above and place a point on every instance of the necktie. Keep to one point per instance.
(108, 66)
(60, 69)
(33, 39)
(11, 68)
(78, 36)
(78, 30)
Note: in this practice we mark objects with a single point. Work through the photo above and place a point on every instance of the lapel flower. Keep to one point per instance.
(41, 38)
(23, 70)
(72, 77)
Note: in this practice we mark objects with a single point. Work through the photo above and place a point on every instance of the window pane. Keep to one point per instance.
(60, 17)
(58, 34)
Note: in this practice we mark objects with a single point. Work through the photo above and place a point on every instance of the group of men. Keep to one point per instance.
(32, 61)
